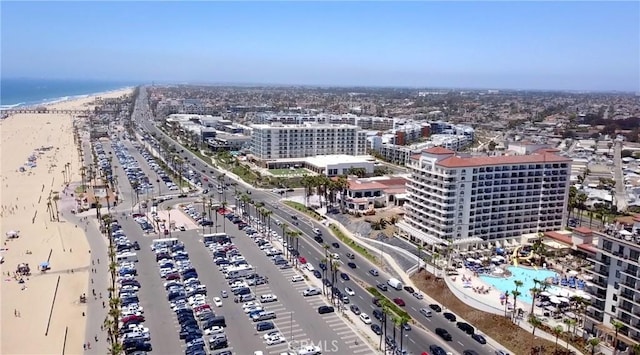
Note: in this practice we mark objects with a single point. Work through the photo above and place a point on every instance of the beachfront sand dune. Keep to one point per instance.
(26, 306)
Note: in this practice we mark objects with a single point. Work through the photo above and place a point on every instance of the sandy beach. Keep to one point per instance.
(26, 306)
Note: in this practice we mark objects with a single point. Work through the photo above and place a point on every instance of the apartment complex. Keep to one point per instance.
(483, 200)
(278, 141)
(614, 289)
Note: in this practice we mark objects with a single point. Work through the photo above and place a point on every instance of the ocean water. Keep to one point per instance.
(32, 92)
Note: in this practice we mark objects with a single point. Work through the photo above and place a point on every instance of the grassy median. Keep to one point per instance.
(392, 306)
(304, 209)
(353, 244)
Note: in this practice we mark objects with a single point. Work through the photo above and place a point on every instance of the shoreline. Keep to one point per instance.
(62, 99)
(46, 305)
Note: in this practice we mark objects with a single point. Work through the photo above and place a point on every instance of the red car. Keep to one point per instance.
(132, 318)
(399, 302)
(302, 260)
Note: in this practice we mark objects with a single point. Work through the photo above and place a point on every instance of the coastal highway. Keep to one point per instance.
(314, 252)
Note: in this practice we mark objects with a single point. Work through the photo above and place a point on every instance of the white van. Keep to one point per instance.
(395, 283)
(127, 257)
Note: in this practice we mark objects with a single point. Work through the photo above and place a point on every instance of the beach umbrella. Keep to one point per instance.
(554, 300)
(573, 273)
(502, 296)
(545, 294)
(498, 271)
(44, 264)
(563, 299)
(471, 260)
(495, 260)
(570, 315)
(12, 233)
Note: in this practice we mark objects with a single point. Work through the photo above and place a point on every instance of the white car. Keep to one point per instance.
(128, 288)
(272, 334)
(365, 318)
(349, 291)
(309, 350)
(217, 301)
(250, 304)
(269, 297)
(197, 298)
(275, 340)
(297, 278)
(253, 309)
(214, 330)
(311, 291)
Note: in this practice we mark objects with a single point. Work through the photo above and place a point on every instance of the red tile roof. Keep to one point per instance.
(583, 230)
(393, 182)
(458, 162)
(438, 151)
(563, 238)
(636, 218)
(588, 247)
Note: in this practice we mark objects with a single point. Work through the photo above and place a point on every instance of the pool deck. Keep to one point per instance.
(490, 298)
(490, 302)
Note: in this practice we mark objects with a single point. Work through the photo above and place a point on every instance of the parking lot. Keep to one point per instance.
(296, 316)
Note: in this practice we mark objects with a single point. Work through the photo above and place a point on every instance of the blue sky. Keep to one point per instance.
(522, 45)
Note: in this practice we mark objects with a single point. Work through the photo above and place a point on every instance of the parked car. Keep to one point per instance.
(325, 309)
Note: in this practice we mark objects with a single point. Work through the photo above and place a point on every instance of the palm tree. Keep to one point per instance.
(224, 219)
(83, 175)
(308, 183)
(397, 322)
(535, 323)
(294, 235)
(570, 323)
(55, 200)
(113, 316)
(285, 228)
(593, 342)
(515, 294)
(386, 310)
(168, 209)
(267, 215)
(335, 266)
(404, 318)
(581, 199)
(557, 330)
(617, 325)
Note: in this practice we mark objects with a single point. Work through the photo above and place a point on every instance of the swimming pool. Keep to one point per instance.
(526, 275)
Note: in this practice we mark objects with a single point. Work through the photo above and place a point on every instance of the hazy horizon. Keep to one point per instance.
(537, 46)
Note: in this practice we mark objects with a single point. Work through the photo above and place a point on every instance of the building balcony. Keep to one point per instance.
(599, 260)
(633, 297)
(630, 272)
(629, 284)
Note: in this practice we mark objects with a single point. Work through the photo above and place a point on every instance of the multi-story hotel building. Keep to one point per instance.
(615, 288)
(487, 200)
(278, 141)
